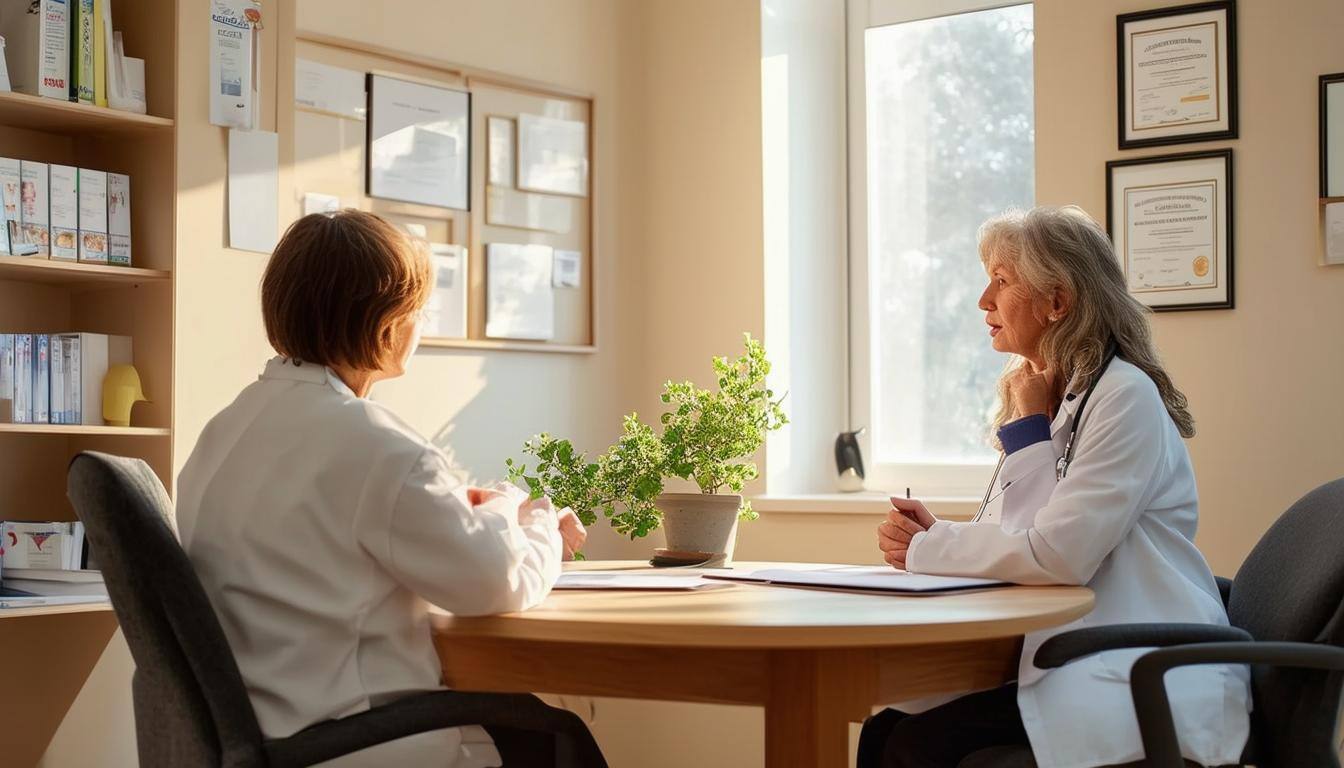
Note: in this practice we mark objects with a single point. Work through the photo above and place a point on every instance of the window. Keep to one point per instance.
(941, 137)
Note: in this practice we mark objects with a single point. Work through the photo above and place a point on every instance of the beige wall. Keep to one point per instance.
(1263, 379)
(678, 156)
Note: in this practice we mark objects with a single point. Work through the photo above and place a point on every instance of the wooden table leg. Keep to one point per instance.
(813, 697)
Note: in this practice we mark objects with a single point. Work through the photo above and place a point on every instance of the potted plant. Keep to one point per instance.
(708, 437)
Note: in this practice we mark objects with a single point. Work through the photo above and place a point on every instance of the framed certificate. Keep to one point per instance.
(1170, 218)
(1332, 135)
(1177, 74)
(419, 143)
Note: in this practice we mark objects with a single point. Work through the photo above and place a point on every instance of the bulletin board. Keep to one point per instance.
(329, 159)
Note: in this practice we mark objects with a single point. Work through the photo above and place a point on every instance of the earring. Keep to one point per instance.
(1054, 317)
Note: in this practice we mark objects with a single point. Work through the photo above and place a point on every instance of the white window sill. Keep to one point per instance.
(955, 508)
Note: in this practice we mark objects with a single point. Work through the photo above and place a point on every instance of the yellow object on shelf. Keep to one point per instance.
(121, 391)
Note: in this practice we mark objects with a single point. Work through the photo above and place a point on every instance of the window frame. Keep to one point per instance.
(927, 480)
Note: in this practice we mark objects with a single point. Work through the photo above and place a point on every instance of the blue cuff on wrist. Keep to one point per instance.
(1028, 430)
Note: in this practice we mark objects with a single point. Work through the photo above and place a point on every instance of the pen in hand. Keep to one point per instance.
(907, 513)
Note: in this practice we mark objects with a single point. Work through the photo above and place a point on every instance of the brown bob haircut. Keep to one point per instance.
(338, 285)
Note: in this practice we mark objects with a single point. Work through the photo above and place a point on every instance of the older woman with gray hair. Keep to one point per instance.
(1094, 487)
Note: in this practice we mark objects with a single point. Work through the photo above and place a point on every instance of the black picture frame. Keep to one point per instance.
(370, 78)
(1326, 81)
(1122, 80)
(1228, 227)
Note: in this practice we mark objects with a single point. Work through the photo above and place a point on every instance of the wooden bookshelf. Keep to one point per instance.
(76, 275)
(43, 296)
(21, 110)
(55, 648)
(83, 430)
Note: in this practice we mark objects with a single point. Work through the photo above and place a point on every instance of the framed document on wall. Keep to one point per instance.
(1170, 218)
(1332, 135)
(419, 143)
(1177, 74)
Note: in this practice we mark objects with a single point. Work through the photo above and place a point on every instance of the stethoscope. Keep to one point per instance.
(1061, 466)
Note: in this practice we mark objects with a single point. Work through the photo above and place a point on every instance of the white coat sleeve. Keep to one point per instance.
(468, 561)
(1109, 483)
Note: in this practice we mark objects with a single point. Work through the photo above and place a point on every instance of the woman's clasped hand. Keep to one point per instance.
(905, 519)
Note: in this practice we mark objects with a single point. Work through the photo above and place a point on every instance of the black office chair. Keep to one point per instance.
(190, 704)
(1286, 606)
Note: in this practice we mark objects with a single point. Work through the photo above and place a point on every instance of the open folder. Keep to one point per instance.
(869, 578)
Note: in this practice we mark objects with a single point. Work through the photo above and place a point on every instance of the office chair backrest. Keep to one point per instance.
(190, 704)
(1291, 588)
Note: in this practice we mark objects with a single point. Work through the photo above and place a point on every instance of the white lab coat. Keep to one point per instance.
(1122, 522)
(319, 524)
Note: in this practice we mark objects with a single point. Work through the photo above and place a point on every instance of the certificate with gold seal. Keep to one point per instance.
(1171, 221)
(1177, 74)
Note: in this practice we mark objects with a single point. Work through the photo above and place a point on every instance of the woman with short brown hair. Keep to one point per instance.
(320, 523)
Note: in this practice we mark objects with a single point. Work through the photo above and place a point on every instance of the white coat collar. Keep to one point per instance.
(286, 369)
(1068, 407)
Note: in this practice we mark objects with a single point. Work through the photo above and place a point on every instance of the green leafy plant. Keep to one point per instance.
(631, 475)
(561, 473)
(708, 437)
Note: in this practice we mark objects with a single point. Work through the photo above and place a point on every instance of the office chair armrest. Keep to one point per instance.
(1068, 646)
(1160, 747)
(430, 712)
(1224, 588)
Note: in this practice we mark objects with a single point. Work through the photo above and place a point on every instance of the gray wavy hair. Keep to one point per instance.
(1063, 248)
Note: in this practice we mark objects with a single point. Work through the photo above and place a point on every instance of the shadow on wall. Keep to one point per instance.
(480, 409)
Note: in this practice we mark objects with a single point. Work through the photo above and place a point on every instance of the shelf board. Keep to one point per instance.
(20, 110)
(32, 269)
(83, 430)
(51, 610)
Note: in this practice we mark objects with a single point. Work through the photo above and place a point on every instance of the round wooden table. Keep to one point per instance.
(815, 660)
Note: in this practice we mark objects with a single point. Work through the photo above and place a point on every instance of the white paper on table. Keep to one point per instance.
(254, 162)
(520, 302)
(316, 202)
(879, 578)
(329, 89)
(500, 151)
(568, 269)
(631, 580)
(418, 143)
(552, 155)
(446, 312)
(231, 41)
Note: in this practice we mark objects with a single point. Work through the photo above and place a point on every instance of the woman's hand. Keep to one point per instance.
(906, 518)
(572, 532)
(478, 496)
(1034, 392)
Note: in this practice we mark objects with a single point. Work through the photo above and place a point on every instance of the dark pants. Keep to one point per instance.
(943, 736)
(524, 749)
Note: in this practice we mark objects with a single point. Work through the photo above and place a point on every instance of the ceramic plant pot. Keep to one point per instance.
(701, 522)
